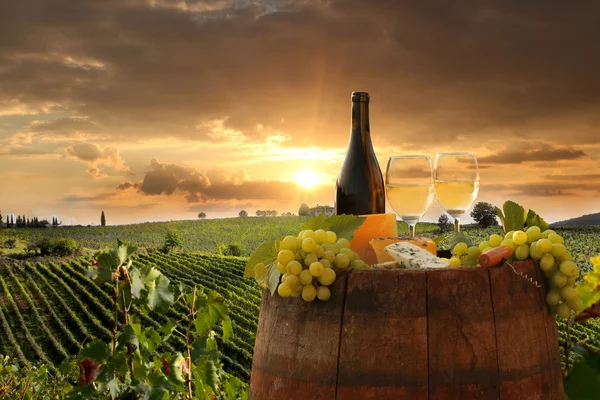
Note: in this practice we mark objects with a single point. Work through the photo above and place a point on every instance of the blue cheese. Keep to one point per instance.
(413, 257)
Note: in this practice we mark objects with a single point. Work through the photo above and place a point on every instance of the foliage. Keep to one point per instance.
(582, 380)
(243, 214)
(232, 249)
(444, 223)
(201, 215)
(516, 218)
(64, 247)
(102, 219)
(484, 214)
(266, 213)
(304, 211)
(10, 243)
(173, 240)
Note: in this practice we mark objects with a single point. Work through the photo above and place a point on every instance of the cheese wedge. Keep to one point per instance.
(413, 257)
(379, 245)
(375, 225)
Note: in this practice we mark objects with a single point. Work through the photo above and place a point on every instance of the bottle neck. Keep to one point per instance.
(360, 123)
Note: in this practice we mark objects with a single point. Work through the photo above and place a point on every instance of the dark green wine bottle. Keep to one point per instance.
(359, 187)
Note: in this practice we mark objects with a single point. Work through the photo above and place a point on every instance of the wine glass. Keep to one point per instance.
(456, 180)
(409, 187)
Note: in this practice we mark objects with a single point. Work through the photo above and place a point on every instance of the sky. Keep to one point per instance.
(155, 110)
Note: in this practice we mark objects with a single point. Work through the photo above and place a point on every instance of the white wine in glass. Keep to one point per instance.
(456, 180)
(409, 187)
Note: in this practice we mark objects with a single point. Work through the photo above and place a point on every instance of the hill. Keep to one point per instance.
(584, 220)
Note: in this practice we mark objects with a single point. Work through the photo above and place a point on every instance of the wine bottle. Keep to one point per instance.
(359, 186)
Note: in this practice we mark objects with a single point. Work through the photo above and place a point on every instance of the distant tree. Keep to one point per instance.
(261, 213)
(0, 219)
(202, 215)
(484, 214)
(173, 240)
(102, 219)
(444, 223)
(243, 214)
(304, 211)
(274, 213)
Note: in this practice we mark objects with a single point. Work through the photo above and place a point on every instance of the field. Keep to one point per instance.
(50, 308)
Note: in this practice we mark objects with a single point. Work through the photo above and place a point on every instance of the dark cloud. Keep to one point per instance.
(216, 185)
(575, 177)
(93, 155)
(522, 152)
(436, 70)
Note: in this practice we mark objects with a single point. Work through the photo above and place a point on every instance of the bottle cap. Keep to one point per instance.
(360, 96)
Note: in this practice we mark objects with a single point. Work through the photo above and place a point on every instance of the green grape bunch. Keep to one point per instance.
(309, 263)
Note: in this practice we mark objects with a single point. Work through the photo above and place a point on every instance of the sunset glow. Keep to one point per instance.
(307, 178)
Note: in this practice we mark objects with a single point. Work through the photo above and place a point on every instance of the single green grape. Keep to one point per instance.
(316, 269)
(509, 235)
(285, 256)
(569, 268)
(473, 253)
(544, 246)
(522, 252)
(534, 252)
(292, 280)
(533, 233)
(284, 290)
(290, 243)
(358, 263)
(293, 267)
(331, 237)
(554, 238)
(319, 251)
(299, 237)
(321, 236)
(566, 257)
(563, 311)
(547, 233)
(310, 258)
(509, 243)
(308, 234)
(495, 240)
(559, 279)
(328, 255)
(343, 243)
(305, 277)
(454, 262)
(328, 277)
(576, 304)
(325, 262)
(309, 245)
(550, 273)
(558, 250)
(460, 249)
(519, 237)
(341, 261)
(571, 281)
(323, 293)
(484, 245)
(348, 252)
(553, 297)
(298, 255)
(546, 262)
(309, 292)
(281, 268)
(568, 293)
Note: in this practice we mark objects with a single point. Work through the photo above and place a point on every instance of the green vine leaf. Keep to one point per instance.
(344, 225)
(266, 253)
(227, 328)
(160, 296)
(514, 216)
(535, 220)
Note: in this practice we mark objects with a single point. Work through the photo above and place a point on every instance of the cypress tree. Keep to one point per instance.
(102, 219)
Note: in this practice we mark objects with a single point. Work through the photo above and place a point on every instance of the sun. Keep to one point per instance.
(307, 178)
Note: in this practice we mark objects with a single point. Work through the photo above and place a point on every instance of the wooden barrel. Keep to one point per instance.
(464, 333)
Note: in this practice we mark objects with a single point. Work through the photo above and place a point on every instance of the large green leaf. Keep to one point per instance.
(583, 381)
(205, 346)
(227, 328)
(344, 225)
(96, 350)
(107, 264)
(208, 316)
(274, 276)
(458, 237)
(535, 220)
(124, 251)
(514, 216)
(137, 283)
(129, 335)
(501, 216)
(206, 373)
(266, 253)
(319, 222)
(160, 296)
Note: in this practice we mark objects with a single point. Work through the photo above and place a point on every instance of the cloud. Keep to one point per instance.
(523, 152)
(436, 72)
(216, 185)
(74, 198)
(544, 189)
(95, 155)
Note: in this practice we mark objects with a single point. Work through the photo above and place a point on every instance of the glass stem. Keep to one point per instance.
(411, 229)
(456, 224)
